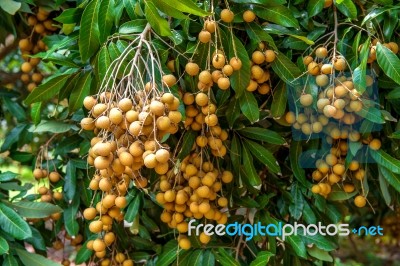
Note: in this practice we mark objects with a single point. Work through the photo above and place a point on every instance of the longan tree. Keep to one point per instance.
(136, 118)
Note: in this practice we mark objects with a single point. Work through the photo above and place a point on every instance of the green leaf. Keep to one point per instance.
(188, 140)
(339, 194)
(385, 160)
(15, 109)
(294, 155)
(278, 105)
(319, 254)
(392, 178)
(57, 59)
(133, 208)
(169, 10)
(322, 242)
(256, 33)
(285, 69)
(262, 134)
(133, 26)
(233, 111)
(239, 79)
(158, 23)
(53, 127)
(225, 258)
(384, 186)
(105, 19)
(35, 112)
(395, 135)
(70, 221)
(208, 258)
(12, 137)
(169, 253)
(70, 16)
(186, 6)
(70, 181)
(297, 244)
(347, 7)
(249, 106)
(235, 153)
(377, 12)
(103, 63)
(389, 62)
(12, 223)
(9, 260)
(372, 114)
(7, 176)
(80, 91)
(4, 247)
(84, 253)
(314, 7)
(360, 73)
(264, 156)
(196, 258)
(278, 14)
(89, 32)
(297, 205)
(47, 90)
(36, 240)
(262, 258)
(30, 209)
(10, 6)
(34, 259)
(248, 170)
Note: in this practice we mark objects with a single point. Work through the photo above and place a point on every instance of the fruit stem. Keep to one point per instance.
(335, 32)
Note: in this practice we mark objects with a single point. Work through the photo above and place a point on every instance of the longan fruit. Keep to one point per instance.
(290, 117)
(339, 169)
(235, 63)
(258, 57)
(26, 67)
(150, 160)
(25, 45)
(316, 189)
(249, 16)
(227, 15)
(316, 127)
(227, 177)
(57, 195)
(224, 83)
(252, 86)
(32, 20)
(89, 213)
(39, 28)
(169, 80)
(192, 69)
(348, 188)
(329, 110)
(393, 47)
(359, 174)
(210, 26)
(321, 103)
(205, 77)
(333, 178)
(184, 243)
(157, 107)
(218, 61)
(105, 185)
(328, 3)
(375, 144)
(128, 263)
(326, 69)
(322, 80)
(313, 68)
(331, 159)
(222, 202)
(204, 36)
(204, 239)
(201, 99)
(163, 123)
(264, 89)
(171, 65)
(340, 64)
(306, 100)
(211, 120)
(307, 60)
(321, 52)
(227, 70)
(125, 104)
(317, 175)
(360, 201)
(169, 196)
(270, 56)
(96, 227)
(99, 245)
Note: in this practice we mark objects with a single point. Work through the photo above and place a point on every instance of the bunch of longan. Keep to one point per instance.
(128, 135)
(260, 75)
(42, 25)
(193, 193)
(372, 49)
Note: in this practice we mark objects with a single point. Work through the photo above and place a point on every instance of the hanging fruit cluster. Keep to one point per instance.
(41, 25)
(260, 74)
(331, 110)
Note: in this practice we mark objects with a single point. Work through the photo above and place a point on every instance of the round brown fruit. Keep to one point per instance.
(321, 52)
(306, 100)
(192, 69)
(360, 201)
(227, 15)
(204, 36)
(249, 16)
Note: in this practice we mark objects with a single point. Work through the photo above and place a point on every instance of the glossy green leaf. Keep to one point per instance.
(248, 170)
(169, 253)
(278, 14)
(105, 19)
(10, 6)
(53, 127)
(34, 259)
(225, 258)
(4, 247)
(322, 242)
(208, 258)
(372, 114)
(384, 159)
(262, 258)
(196, 258)
(29, 209)
(255, 32)
(314, 7)
(294, 155)
(384, 186)
(133, 207)
(14, 108)
(233, 111)
(70, 181)
(285, 69)
(13, 224)
(83, 254)
(133, 26)
(89, 32)
(47, 90)
(347, 7)
(9, 260)
(70, 16)
(239, 79)
(7, 176)
(186, 6)
(36, 240)
(70, 219)
(319, 254)
(392, 178)
(80, 91)
(263, 134)
(235, 152)
(35, 112)
(264, 156)
(389, 62)
(158, 23)
(279, 102)
(297, 244)
(360, 73)
(187, 143)
(249, 106)
(297, 205)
